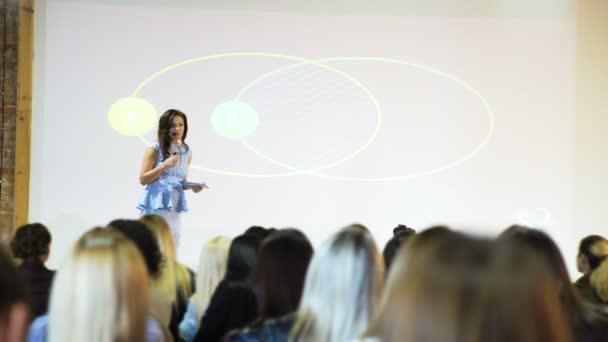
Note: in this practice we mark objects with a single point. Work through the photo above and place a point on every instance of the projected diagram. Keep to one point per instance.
(238, 120)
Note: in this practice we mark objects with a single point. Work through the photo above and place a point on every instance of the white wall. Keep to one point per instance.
(89, 55)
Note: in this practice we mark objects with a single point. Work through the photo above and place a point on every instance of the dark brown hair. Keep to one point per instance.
(585, 318)
(590, 246)
(164, 130)
(12, 287)
(449, 287)
(31, 241)
(280, 271)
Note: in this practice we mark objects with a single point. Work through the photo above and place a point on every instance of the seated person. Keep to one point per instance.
(31, 245)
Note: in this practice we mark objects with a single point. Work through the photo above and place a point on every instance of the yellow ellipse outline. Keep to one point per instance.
(288, 57)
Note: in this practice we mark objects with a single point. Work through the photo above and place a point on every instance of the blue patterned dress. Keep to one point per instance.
(165, 196)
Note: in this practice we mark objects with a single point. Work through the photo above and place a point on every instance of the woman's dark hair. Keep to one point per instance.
(12, 287)
(259, 232)
(164, 130)
(280, 271)
(470, 290)
(242, 258)
(31, 241)
(583, 316)
(584, 248)
(144, 240)
(393, 245)
(403, 229)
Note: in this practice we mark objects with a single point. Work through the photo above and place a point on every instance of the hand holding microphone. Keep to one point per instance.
(175, 150)
(171, 161)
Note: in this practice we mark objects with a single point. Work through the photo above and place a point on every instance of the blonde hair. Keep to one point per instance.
(174, 278)
(599, 280)
(341, 288)
(211, 270)
(100, 293)
(598, 251)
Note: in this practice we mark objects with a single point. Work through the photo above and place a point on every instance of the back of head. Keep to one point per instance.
(212, 266)
(455, 282)
(31, 241)
(341, 288)
(174, 278)
(279, 274)
(403, 229)
(434, 278)
(13, 300)
(242, 257)
(145, 242)
(161, 230)
(542, 244)
(524, 299)
(259, 232)
(400, 234)
(100, 293)
(585, 318)
(595, 249)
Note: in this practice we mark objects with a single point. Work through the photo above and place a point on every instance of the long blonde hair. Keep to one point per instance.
(211, 270)
(341, 288)
(174, 278)
(100, 293)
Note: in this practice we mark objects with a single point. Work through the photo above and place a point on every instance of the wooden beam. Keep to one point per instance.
(24, 113)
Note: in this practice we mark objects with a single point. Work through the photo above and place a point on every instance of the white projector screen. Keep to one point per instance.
(381, 119)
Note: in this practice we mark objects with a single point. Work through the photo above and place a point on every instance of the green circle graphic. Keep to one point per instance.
(234, 119)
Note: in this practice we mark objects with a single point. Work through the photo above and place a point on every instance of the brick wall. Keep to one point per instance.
(9, 28)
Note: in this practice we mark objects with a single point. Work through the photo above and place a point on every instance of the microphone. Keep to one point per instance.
(179, 147)
(173, 133)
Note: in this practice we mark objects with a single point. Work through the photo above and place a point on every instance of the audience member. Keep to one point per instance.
(342, 286)
(100, 293)
(445, 286)
(159, 300)
(31, 244)
(400, 234)
(14, 313)
(592, 250)
(233, 304)
(588, 322)
(211, 270)
(175, 280)
(277, 281)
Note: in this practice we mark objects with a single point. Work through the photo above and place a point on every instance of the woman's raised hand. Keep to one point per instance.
(171, 161)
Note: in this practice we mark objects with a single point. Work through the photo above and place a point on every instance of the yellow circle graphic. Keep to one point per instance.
(132, 116)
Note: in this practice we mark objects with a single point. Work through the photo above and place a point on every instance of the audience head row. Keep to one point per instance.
(515, 287)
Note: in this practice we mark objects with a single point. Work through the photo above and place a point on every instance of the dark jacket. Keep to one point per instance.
(38, 279)
(232, 306)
